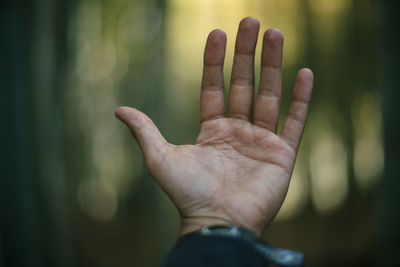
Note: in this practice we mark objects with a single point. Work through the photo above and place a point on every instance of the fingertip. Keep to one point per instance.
(305, 75)
(249, 22)
(144, 131)
(247, 36)
(304, 85)
(119, 112)
(214, 53)
(217, 34)
(274, 36)
(127, 114)
(306, 72)
(216, 39)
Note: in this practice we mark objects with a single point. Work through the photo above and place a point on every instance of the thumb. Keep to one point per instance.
(146, 133)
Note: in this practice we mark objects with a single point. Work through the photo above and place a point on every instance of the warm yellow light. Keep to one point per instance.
(329, 7)
(107, 42)
(297, 197)
(368, 151)
(188, 24)
(96, 60)
(98, 199)
(328, 166)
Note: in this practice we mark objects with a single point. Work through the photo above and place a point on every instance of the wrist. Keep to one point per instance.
(189, 225)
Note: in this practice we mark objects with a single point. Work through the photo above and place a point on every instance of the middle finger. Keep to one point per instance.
(242, 78)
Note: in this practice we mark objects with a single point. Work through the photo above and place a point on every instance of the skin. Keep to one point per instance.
(239, 169)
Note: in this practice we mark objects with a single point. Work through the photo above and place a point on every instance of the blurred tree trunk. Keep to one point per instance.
(388, 208)
(19, 211)
(48, 64)
(34, 212)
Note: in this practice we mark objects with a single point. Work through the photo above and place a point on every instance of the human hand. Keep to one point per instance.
(239, 169)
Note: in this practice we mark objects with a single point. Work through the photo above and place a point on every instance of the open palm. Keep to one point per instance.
(239, 170)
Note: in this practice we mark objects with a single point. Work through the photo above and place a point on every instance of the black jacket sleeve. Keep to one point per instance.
(196, 250)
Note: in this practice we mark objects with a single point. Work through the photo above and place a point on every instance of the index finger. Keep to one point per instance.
(212, 101)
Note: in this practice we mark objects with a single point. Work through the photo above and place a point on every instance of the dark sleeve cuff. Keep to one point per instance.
(196, 250)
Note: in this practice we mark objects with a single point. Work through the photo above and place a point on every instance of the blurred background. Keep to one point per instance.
(74, 190)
